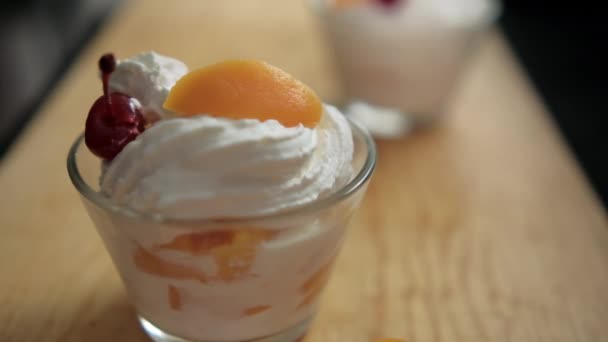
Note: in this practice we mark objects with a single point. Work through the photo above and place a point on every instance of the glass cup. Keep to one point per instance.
(245, 279)
(399, 63)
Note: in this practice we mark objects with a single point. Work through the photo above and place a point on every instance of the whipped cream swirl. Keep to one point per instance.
(204, 167)
(148, 77)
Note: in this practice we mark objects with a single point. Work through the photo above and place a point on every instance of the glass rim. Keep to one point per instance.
(362, 176)
(322, 7)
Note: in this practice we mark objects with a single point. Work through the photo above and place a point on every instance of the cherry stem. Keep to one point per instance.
(107, 65)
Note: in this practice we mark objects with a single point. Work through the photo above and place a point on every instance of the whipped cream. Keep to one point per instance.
(423, 14)
(206, 167)
(448, 13)
(405, 59)
(148, 77)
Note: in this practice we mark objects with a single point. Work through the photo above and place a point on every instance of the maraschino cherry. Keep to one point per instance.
(114, 120)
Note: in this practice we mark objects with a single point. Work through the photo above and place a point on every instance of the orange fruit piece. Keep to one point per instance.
(151, 263)
(256, 310)
(315, 284)
(348, 3)
(175, 299)
(233, 251)
(245, 89)
(200, 243)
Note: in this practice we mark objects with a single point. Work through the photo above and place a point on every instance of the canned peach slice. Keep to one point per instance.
(174, 298)
(233, 251)
(348, 3)
(245, 89)
(314, 285)
(151, 263)
(255, 310)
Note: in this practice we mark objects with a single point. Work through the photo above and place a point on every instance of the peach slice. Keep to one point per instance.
(233, 251)
(200, 243)
(151, 263)
(314, 285)
(174, 298)
(318, 279)
(245, 89)
(236, 259)
(255, 310)
(348, 3)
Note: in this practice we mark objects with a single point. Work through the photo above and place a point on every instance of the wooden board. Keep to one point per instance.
(479, 229)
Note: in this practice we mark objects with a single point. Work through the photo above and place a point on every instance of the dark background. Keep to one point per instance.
(561, 46)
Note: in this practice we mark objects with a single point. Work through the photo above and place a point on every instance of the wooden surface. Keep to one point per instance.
(480, 229)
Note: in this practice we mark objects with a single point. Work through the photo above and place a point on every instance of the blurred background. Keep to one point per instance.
(561, 46)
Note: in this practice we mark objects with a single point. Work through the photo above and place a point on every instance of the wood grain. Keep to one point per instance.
(479, 229)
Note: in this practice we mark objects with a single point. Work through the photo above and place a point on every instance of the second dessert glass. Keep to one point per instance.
(244, 279)
(399, 63)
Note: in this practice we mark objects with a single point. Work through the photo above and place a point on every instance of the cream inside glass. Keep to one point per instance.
(400, 60)
(204, 252)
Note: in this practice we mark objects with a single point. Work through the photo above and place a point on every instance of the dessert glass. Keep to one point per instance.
(228, 279)
(399, 65)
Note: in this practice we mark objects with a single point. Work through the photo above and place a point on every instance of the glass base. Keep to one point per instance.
(387, 123)
(293, 334)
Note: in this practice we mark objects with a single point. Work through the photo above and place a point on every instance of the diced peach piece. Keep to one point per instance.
(310, 297)
(200, 243)
(175, 299)
(151, 263)
(255, 310)
(314, 285)
(233, 251)
(348, 3)
(245, 89)
(235, 260)
(319, 278)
